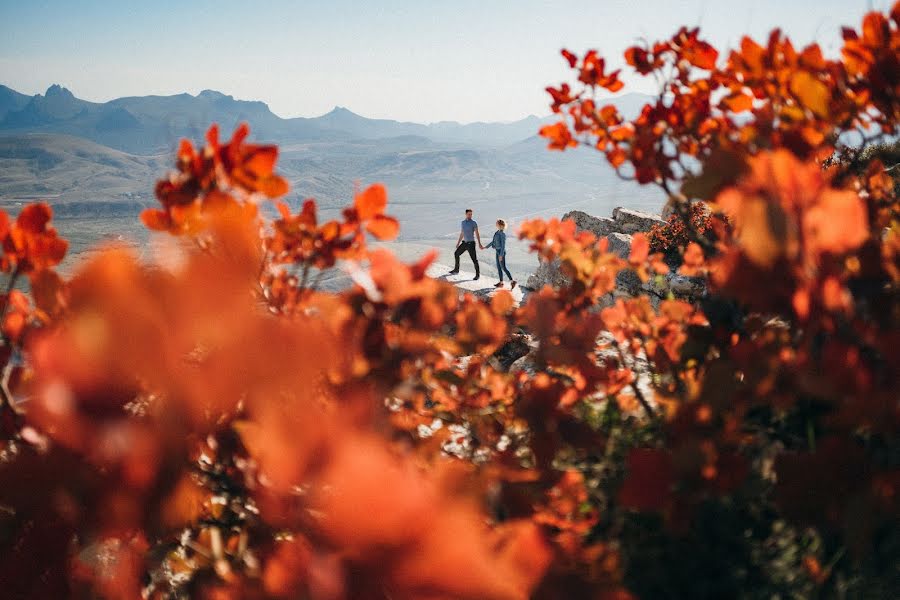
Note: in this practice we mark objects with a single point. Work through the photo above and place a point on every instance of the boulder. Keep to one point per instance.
(628, 283)
(516, 346)
(620, 244)
(599, 226)
(689, 288)
(632, 221)
(547, 273)
(673, 285)
(526, 364)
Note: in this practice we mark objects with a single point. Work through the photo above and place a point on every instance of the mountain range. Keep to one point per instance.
(98, 161)
(149, 124)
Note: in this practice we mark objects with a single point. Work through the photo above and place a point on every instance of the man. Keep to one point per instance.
(468, 233)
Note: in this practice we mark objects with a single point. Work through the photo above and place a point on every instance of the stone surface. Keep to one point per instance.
(620, 244)
(672, 285)
(692, 288)
(483, 288)
(517, 346)
(599, 226)
(632, 221)
(547, 273)
(628, 282)
(526, 364)
(618, 231)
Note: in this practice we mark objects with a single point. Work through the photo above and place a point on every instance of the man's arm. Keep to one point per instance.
(478, 237)
(459, 239)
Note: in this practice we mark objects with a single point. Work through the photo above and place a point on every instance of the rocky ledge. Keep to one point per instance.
(619, 231)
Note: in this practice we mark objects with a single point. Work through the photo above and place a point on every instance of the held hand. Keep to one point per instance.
(501, 258)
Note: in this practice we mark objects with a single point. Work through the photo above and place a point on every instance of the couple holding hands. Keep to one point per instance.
(468, 233)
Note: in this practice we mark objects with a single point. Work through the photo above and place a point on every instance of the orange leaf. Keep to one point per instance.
(371, 202)
(616, 157)
(615, 85)
(738, 102)
(185, 504)
(273, 186)
(559, 135)
(812, 93)
(502, 302)
(625, 132)
(13, 324)
(838, 222)
(155, 219)
(46, 287)
(640, 248)
(383, 227)
(261, 160)
(693, 260)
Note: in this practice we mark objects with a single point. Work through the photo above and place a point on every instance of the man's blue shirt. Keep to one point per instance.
(468, 230)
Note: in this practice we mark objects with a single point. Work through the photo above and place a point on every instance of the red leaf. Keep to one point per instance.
(648, 482)
(701, 54)
(34, 217)
(4, 224)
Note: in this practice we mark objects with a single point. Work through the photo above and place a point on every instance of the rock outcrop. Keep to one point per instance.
(599, 226)
(619, 230)
(619, 244)
(632, 221)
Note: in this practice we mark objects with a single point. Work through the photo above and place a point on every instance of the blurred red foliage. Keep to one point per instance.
(225, 429)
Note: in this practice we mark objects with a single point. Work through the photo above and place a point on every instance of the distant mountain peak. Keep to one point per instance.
(341, 111)
(213, 95)
(58, 91)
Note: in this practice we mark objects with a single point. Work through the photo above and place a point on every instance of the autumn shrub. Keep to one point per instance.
(672, 237)
(221, 428)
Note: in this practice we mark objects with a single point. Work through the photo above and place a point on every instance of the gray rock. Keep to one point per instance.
(628, 282)
(632, 221)
(673, 285)
(526, 363)
(547, 273)
(692, 288)
(667, 210)
(517, 346)
(599, 226)
(620, 244)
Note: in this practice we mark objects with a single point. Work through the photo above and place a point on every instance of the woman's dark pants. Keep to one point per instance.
(501, 267)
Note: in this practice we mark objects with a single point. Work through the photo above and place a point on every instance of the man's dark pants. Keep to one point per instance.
(463, 247)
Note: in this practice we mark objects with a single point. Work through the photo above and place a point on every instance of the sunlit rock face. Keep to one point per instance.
(619, 230)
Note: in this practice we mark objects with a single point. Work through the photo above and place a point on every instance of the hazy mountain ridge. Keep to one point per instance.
(11, 101)
(53, 166)
(97, 164)
(147, 125)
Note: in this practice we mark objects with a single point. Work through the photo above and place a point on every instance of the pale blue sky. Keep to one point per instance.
(410, 60)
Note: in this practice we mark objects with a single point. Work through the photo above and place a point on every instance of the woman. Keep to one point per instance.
(499, 246)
